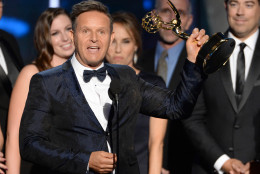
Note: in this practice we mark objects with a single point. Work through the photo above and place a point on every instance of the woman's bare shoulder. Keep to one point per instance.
(26, 73)
(29, 70)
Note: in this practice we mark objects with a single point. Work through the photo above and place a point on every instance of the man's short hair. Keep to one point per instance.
(86, 6)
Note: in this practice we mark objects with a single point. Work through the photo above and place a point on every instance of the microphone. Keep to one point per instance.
(114, 90)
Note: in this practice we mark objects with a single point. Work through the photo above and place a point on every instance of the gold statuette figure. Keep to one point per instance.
(213, 54)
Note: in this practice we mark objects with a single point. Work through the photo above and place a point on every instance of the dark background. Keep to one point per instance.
(19, 18)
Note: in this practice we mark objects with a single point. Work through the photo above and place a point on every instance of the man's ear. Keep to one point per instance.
(112, 37)
(225, 4)
(72, 35)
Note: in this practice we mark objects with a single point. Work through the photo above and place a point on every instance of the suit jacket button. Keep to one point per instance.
(107, 134)
(230, 149)
(236, 126)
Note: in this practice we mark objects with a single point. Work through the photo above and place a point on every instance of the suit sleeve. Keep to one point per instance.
(176, 104)
(34, 141)
(200, 136)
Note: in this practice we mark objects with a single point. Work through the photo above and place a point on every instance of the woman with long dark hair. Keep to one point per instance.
(149, 132)
(54, 46)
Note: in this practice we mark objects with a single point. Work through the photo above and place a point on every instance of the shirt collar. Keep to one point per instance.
(250, 42)
(172, 51)
(79, 68)
(159, 49)
(175, 51)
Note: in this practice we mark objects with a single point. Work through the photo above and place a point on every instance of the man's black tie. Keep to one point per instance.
(240, 81)
(100, 74)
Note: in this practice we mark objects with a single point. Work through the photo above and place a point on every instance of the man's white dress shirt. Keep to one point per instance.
(2, 61)
(96, 93)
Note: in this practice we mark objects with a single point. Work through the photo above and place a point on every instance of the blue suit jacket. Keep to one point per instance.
(59, 130)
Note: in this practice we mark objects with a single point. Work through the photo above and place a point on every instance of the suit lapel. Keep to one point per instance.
(74, 87)
(254, 72)
(227, 82)
(8, 51)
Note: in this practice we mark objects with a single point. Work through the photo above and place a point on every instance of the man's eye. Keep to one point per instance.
(250, 5)
(232, 4)
(165, 11)
(69, 28)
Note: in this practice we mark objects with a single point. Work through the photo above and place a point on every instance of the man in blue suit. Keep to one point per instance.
(70, 124)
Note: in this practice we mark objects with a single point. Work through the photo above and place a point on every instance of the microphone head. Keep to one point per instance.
(115, 88)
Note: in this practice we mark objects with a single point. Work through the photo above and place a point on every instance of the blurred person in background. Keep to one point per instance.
(10, 64)
(54, 46)
(178, 152)
(149, 131)
(225, 124)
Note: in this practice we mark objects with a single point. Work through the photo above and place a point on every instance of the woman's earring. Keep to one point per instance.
(135, 58)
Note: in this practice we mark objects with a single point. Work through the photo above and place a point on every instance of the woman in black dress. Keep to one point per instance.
(149, 132)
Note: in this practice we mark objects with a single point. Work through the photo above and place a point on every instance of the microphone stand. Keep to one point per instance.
(114, 91)
(117, 133)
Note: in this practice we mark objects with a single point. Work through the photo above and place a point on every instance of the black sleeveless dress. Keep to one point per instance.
(142, 127)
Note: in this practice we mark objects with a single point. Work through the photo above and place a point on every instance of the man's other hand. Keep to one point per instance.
(234, 166)
(102, 162)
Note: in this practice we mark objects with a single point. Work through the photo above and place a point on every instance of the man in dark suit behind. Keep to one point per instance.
(70, 125)
(10, 65)
(177, 154)
(225, 124)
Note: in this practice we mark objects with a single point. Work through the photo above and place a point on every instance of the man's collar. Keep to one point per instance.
(250, 41)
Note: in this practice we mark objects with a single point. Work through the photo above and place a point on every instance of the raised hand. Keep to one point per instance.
(195, 42)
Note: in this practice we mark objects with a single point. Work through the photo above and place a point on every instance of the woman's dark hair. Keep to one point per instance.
(42, 37)
(132, 25)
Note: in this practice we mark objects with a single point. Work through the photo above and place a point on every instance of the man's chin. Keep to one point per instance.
(168, 41)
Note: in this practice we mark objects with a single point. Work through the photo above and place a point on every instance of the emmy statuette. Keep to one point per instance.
(213, 54)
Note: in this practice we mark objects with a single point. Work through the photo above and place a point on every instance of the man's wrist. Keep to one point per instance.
(220, 162)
